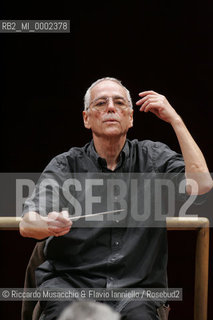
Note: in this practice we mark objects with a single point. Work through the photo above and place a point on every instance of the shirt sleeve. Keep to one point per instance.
(47, 195)
(172, 163)
(166, 160)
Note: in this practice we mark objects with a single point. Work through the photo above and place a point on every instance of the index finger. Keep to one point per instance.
(56, 216)
(61, 217)
(144, 93)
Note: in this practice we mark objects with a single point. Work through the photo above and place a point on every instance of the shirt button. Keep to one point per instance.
(116, 243)
(117, 221)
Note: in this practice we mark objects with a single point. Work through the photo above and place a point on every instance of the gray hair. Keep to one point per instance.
(87, 96)
(87, 310)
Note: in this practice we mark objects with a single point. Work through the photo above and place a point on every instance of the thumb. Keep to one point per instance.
(65, 213)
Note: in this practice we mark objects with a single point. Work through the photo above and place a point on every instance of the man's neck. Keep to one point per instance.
(109, 149)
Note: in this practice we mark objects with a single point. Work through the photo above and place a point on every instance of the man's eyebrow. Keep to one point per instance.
(114, 97)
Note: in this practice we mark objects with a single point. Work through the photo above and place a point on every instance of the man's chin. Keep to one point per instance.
(112, 132)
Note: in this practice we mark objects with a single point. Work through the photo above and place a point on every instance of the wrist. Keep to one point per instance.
(177, 122)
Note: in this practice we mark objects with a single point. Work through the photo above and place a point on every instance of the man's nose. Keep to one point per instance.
(110, 104)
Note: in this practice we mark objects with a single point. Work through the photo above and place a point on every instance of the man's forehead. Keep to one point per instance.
(107, 88)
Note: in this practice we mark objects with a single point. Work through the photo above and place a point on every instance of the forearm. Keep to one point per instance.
(195, 164)
(196, 167)
(34, 226)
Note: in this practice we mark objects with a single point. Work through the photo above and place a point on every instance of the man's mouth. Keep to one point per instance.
(110, 120)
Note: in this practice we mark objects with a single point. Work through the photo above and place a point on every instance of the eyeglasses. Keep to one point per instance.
(101, 104)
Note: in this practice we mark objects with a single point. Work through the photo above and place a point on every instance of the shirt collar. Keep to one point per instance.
(95, 156)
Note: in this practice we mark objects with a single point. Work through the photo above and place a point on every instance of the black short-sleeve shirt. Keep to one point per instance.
(110, 257)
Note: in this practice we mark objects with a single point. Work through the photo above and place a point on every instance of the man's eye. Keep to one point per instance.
(100, 103)
(120, 103)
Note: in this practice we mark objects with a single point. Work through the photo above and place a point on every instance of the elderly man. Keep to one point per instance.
(113, 257)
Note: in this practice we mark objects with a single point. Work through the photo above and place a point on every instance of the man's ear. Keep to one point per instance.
(131, 118)
(86, 119)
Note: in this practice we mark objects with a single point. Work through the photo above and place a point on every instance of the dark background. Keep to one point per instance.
(165, 46)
